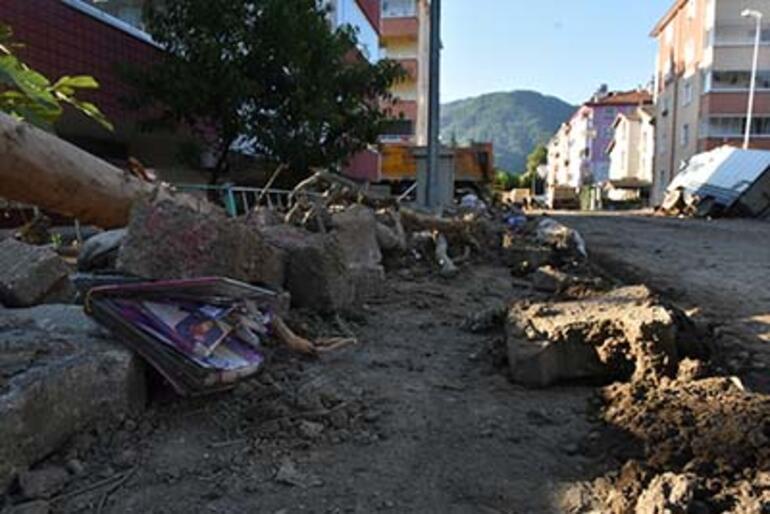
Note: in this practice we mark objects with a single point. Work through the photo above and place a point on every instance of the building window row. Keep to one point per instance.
(735, 126)
(739, 80)
(399, 8)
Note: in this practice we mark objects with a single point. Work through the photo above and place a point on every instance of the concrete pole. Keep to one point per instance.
(434, 115)
(748, 13)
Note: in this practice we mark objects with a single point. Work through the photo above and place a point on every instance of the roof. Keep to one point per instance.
(724, 173)
(670, 14)
(635, 97)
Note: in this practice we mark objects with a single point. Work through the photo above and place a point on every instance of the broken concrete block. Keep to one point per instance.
(317, 275)
(30, 275)
(43, 483)
(59, 373)
(356, 230)
(625, 334)
(166, 240)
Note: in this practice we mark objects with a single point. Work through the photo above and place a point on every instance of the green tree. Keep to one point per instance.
(27, 94)
(537, 158)
(271, 75)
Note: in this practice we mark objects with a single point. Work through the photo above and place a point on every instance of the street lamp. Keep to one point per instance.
(751, 13)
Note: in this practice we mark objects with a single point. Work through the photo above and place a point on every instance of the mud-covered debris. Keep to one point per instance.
(288, 474)
(100, 252)
(669, 492)
(550, 279)
(624, 334)
(559, 236)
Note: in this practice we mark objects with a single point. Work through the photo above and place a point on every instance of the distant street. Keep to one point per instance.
(720, 267)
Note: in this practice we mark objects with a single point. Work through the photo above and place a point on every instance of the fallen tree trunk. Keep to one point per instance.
(40, 169)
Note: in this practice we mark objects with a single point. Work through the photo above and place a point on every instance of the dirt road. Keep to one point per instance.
(418, 418)
(720, 268)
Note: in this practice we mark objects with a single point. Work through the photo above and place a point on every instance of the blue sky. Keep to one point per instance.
(565, 48)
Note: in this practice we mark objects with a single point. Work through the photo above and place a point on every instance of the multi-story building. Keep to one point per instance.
(577, 153)
(632, 151)
(703, 72)
(95, 37)
(405, 37)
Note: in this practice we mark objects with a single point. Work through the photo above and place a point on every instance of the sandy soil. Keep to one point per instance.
(419, 418)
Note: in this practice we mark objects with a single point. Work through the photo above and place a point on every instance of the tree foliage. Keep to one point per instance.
(27, 94)
(269, 75)
(537, 158)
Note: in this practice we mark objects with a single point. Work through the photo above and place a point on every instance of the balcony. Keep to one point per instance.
(399, 8)
(412, 68)
(404, 108)
(739, 35)
(406, 28)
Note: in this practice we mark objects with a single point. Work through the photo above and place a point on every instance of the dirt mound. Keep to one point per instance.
(705, 448)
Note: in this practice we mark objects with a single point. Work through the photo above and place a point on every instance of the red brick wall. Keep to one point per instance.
(60, 40)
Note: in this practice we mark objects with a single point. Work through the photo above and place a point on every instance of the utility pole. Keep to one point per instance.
(750, 13)
(434, 178)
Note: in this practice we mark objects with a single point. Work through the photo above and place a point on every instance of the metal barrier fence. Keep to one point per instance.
(239, 200)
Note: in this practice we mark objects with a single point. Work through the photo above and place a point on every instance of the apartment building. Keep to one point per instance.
(578, 151)
(94, 37)
(405, 37)
(632, 151)
(702, 78)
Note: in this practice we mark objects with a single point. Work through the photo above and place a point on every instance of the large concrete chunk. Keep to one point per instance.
(624, 334)
(166, 240)
(317, 275)
(30, 275)
(356, 231)
(59, 373)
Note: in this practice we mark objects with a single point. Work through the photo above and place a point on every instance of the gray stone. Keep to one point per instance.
(43, 483)
(100, 252)
(59, 374)
(35, 507)
(166, 240)
(356, 230)
(317, 275)
(30, 275)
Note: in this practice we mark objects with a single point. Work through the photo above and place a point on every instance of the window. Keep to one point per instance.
(125, 15)
(735, 126)
(127, 11)
(669, 34)
(685, 134)
(689, 52)
(739, 80)
(687, 93)
(692, 7)
(399, 8)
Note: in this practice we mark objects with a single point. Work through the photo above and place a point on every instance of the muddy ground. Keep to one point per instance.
(418, 418)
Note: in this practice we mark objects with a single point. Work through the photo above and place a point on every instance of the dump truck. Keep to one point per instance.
(474, 165)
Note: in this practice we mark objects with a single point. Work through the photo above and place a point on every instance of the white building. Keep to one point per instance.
(632, 151)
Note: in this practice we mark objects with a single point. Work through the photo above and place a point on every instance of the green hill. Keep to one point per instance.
(515, 122)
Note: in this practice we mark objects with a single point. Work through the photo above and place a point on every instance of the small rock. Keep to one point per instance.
(76, 467)
(43, 483)
(571, 449)
(289, 475)
(35, 507)
(310, 429)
